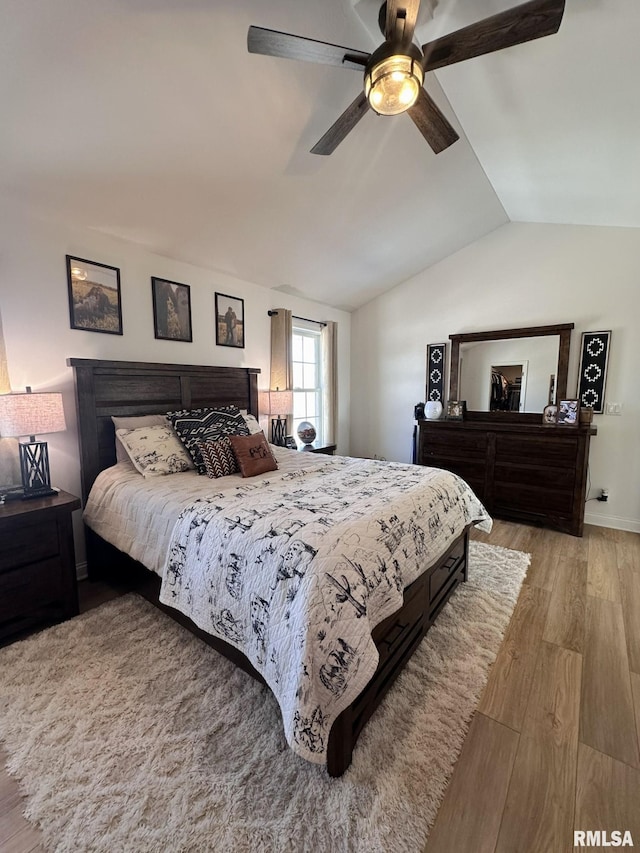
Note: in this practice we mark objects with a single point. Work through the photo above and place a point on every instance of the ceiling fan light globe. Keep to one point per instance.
(393, 84)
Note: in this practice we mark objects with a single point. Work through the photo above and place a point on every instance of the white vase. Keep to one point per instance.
(432, 410)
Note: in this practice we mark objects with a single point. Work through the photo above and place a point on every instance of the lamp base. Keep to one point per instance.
(34, 467)
(38, 493)
(278, 431)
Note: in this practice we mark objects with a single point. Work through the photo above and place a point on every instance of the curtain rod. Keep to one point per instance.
(295, 317)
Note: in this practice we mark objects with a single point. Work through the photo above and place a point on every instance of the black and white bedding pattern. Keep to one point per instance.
(296, 570)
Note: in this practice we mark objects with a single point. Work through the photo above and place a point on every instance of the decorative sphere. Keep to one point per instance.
(306, 432)
(433, 410)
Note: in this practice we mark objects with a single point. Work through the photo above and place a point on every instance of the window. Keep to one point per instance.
(307, 377)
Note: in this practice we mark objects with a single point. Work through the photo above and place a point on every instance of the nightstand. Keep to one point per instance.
(37, 563)
(328, 449)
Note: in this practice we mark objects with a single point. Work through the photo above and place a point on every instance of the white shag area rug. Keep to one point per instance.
(128, 734)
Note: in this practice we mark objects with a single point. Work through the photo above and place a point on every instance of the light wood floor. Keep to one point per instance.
(554, 745)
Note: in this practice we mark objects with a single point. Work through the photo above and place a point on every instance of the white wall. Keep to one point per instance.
(38, 337)
(519, 275)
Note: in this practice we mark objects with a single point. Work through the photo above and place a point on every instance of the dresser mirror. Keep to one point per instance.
(510, 370)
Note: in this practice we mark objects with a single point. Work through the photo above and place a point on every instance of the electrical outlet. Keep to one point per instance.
(604, 495)
(613, 409)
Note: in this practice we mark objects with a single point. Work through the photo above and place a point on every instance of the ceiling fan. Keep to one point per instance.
(394, 72)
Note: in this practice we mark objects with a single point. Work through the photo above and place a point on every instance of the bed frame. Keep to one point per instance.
(106, 388)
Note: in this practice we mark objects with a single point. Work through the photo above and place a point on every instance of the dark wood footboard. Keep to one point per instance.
(396, 638)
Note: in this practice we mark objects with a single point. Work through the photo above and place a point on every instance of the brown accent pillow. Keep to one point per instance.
(253, 454)
(218, 457)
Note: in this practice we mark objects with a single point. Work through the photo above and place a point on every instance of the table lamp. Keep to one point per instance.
(26, 415)
(277, 403)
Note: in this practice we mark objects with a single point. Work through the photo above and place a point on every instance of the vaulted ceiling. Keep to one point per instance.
(149, 120)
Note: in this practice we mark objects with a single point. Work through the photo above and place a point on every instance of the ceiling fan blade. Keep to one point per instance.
(523, 23)
(339, 129)
(274, 43)
(431, 123)
(401, 20)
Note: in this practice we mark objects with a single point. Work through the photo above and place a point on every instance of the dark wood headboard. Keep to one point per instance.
(124, 388)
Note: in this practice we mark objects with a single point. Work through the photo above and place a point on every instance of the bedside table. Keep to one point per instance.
(328, 449)
(37, 563)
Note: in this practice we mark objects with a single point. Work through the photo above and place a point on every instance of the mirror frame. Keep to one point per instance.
(563, 330)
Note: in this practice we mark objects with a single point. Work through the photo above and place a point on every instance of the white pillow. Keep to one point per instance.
(252, 424)
(155, 450)
(133, 422)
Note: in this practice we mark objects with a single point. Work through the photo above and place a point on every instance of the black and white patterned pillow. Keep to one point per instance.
(218, 457)
(206, 424)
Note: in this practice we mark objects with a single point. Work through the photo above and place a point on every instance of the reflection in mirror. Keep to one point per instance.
(516, 375)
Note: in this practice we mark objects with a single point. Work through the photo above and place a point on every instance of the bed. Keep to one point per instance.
(114, 388)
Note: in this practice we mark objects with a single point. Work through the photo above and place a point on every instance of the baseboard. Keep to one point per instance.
(612, 521)
(81, 571)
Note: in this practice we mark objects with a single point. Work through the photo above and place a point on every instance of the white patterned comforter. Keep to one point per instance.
(295, 569)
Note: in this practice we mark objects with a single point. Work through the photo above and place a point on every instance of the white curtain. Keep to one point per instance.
(330, 381)
(281, 378)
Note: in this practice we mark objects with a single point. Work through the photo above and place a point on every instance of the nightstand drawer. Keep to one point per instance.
(28, 542)
(24, 590)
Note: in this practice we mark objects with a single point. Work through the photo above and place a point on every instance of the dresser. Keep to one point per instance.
(37, 563)
(522, 471)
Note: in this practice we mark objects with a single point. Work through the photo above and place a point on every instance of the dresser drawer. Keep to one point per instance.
(545, 450)
(453, 443)
(28, 542)
(24, 590)
(513, 496)
(554, 479)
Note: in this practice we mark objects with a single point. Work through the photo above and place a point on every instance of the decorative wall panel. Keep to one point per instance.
(436, 368)
(592, 375)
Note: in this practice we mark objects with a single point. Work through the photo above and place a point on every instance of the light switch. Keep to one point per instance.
(613, 409)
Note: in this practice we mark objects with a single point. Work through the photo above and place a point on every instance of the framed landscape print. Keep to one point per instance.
(592, 376)
(94, 296)
(171, 310)
(229, 321)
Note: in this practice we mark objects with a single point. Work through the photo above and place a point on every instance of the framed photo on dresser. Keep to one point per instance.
(568, 413)
(455, 410)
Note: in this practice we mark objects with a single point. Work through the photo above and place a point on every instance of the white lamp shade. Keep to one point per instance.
(276, 402)
(31, 414)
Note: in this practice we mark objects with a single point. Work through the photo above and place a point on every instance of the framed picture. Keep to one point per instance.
(94, 296)
(568, 413)
(290, 442)
(229, 321)
(436, 363)
(592, 376)
(549, 415)
(171, 310)
(456, 410)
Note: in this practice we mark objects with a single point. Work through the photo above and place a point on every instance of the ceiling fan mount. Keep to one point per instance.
(394, 73)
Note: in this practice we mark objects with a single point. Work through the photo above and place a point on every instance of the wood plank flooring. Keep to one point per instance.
(566, 685)
(554, 745)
